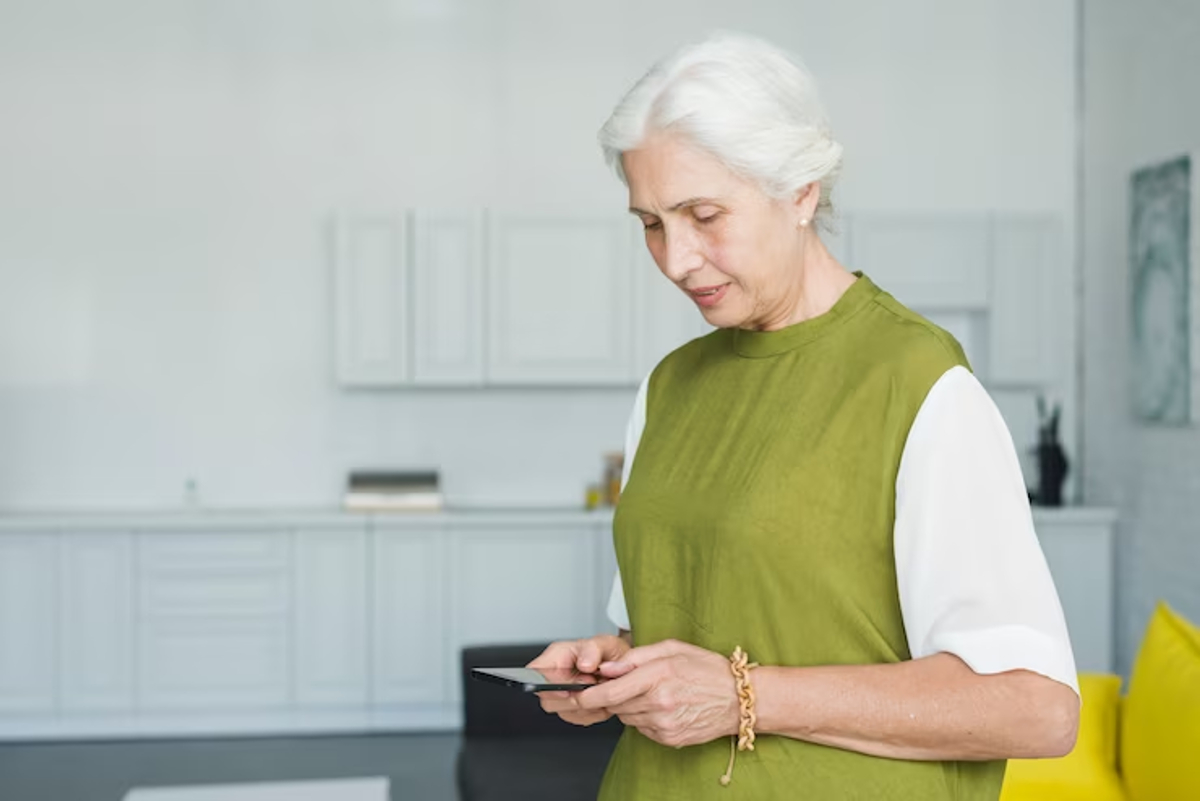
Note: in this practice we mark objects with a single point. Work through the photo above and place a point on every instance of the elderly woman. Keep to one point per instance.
(820, 485)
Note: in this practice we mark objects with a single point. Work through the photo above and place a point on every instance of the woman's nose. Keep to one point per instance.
(680, 258)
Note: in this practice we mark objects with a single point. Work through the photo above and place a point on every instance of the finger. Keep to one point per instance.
(589, 656)
(615, 692)
(559, 705)
(611, 670)
(641, 655)
(558, 655)
(586, 718)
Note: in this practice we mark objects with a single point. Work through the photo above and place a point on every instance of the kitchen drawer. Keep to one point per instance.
(213, 551)
(214, 663)
(235, 575)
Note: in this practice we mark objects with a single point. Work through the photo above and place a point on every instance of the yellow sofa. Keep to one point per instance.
(1143, 747)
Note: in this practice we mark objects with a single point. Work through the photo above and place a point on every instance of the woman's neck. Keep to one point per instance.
(820, 283)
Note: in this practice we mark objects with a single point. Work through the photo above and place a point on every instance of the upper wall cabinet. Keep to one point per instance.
(1028, 299)
(370, 287)
(507, 299)
(927, 263)
(996, 282)
(448, 297)
(409, 299)
(558, 299)
(663, 317)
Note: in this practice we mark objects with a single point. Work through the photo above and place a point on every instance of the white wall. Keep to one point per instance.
(1141, 73)
(168, 168)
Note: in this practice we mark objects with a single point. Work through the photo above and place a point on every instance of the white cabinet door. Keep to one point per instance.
(331, 617)
(28, 611)
(524, 583)
(664, 318)
(1080, 557)
(371, 296)
(448, 293)
(97, 596)
(1026, 301)
(214, 620)
(926, 263)
(605, 570)
(559, 300)
(409, 628)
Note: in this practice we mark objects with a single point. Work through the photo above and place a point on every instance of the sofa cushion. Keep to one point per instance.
(1088, 773)
(532, 768)
(1160, 721)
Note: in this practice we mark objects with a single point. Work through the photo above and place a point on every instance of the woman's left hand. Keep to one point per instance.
(673, 692)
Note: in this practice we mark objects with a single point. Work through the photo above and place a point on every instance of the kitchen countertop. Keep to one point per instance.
(314, 517)
(332, 517)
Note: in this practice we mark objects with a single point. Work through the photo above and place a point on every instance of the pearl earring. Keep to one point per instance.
(804, 222)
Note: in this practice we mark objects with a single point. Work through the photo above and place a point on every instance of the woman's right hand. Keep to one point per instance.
(584, 656)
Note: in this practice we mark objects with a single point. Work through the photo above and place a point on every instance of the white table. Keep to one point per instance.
(374, 789)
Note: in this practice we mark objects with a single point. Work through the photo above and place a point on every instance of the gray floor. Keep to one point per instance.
(421, 766)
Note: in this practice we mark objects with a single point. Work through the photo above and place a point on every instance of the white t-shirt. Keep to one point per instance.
(972, 577)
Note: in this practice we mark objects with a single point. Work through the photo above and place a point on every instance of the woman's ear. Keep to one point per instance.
(806, 203)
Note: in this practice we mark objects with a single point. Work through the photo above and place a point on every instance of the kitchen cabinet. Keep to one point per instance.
(1028, 301)
(277, 622)
(448, 298)
(412, 663)
(371, 298)
(237, 623)
(96, 620)
(469, 299)
(213, 619)
(331, 616)
(28, 605)
(927, 263)
(1078, 544)
(558, 300)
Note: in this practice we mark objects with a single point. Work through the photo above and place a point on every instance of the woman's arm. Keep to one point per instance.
(932, 708)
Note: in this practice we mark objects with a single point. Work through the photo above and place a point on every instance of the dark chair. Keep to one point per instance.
(513, 750)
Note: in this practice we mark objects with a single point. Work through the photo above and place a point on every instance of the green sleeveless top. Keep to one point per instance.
(758, 512)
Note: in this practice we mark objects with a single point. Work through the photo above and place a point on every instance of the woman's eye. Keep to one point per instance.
(707, 219)
(654, 226)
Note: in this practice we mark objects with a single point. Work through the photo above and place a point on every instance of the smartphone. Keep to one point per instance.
(536, 681)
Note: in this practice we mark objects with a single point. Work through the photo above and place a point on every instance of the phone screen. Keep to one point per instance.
(531, 680)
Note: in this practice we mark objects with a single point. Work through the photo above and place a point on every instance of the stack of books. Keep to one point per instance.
(379, 491)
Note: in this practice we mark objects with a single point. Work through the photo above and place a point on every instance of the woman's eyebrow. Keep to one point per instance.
(691, 201)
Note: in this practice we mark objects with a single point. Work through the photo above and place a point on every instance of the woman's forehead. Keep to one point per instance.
(665, 174)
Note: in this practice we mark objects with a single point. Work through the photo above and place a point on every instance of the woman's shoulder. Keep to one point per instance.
(903, 338)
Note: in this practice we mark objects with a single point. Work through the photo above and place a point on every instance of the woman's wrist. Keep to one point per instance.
(776, 690)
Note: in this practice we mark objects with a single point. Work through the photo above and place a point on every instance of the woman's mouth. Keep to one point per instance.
(708, 296)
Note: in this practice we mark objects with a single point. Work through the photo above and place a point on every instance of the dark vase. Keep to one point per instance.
(1052, 472)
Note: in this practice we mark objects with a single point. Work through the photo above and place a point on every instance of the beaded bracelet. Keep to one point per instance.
(740, 665)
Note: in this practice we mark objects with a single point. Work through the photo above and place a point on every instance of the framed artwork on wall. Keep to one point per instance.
(1164, 324)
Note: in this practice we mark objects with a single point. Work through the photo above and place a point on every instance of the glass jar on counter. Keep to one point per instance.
(614, 464)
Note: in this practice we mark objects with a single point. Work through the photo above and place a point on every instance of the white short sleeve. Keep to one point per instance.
(617, 612)
(972, 577)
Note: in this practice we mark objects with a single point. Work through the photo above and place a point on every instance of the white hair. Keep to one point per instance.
(742, 100)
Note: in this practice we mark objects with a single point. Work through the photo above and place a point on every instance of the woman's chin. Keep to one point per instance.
(722, 316)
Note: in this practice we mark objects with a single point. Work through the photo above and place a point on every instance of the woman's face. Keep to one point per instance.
(735, 251)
